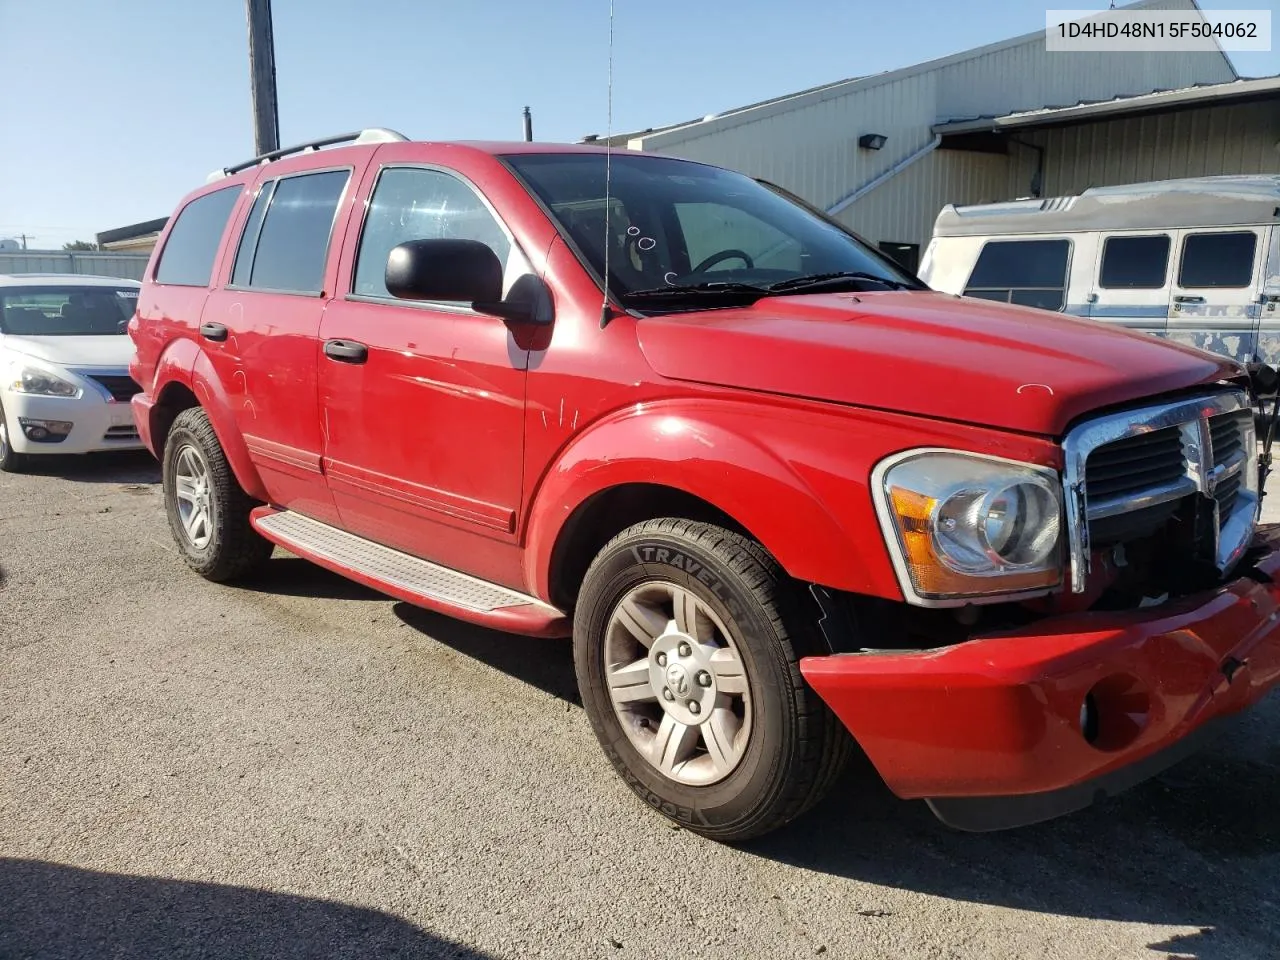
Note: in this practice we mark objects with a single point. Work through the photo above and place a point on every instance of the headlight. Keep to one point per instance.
(35, 380)
(965, 527)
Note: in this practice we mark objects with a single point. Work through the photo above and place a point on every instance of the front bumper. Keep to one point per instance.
(99, 424)
(990, 731)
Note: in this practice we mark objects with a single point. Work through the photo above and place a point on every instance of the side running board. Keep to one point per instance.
(410, 578)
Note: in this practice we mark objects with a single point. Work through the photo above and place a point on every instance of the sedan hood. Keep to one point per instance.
(925, 353)
(114, 350)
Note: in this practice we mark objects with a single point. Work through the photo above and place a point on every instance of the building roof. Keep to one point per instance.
(132, 231)
(621, 139)
(839, 88)
(1157, 101)
(1158, 205)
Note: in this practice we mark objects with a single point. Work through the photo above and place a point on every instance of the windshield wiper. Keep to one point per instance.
(698, 289)
(834, 279)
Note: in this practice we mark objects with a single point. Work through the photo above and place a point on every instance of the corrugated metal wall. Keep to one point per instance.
(1212, 140)
(812, 149)
(809, 145)
(903, 210)
(127, 266)
(1028, 77)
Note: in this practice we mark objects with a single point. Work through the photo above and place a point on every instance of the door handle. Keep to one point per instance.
(346, 351)
(1188, 299)
(213, 331)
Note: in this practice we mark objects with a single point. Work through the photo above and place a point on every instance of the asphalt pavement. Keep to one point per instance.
(304, 768)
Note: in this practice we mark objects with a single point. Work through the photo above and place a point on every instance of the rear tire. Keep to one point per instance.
(725, 631)
(10, 460)
(208, 510)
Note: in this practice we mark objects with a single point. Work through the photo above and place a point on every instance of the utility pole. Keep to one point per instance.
(528, 124)
(24, 238)
(262, 77)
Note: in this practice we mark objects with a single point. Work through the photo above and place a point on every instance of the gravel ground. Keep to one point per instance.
(308, 769)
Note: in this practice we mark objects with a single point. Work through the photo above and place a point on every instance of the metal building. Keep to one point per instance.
(885, 153)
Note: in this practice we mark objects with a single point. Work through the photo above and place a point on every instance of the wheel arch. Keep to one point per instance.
(172, 399)
(692, 466)
(605, 514)
(202, 388)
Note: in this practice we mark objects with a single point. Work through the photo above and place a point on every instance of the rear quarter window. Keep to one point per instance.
(192, 244)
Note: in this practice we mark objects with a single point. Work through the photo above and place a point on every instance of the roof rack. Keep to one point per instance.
(372, 135)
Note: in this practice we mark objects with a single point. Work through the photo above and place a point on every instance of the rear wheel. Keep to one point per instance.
(10, 460)
(208, 511)
(687, 639)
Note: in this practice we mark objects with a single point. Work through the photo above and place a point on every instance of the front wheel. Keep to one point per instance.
(10, 460)
(687, 639)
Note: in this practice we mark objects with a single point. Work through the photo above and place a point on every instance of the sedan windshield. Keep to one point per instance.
(66, 311)
(682, 234)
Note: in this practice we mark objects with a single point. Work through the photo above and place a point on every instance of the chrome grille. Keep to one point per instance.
(1125, 473)
(1228, 434)
(1136, 463)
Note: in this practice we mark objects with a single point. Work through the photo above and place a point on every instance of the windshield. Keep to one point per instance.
(66, 311)
(676, 224)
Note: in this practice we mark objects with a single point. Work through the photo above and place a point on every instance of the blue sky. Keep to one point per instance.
(113, 109)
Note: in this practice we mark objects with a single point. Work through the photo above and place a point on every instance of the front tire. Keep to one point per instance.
(208, 510)
(10, 460)
(687, 640)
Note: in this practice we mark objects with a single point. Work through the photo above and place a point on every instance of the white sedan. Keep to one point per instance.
(64, 366)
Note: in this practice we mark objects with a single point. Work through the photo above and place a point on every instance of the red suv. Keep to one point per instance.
(783, 496)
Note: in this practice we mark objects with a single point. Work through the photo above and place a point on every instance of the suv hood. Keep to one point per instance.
(110, 350)
(925, 353)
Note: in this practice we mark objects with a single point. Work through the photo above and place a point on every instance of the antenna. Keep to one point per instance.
(608, 178)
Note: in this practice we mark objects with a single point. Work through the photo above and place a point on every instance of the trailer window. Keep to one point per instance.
(1031, 273)
(1134, 263)
(1218, 259)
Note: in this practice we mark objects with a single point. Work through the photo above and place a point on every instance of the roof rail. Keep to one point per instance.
(371, 135)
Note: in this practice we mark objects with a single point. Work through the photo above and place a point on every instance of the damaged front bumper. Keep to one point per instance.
(1017, 727)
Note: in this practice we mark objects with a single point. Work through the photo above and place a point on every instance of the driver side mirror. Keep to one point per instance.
(466, 271)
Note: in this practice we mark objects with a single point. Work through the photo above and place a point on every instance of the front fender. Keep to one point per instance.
(796, 480)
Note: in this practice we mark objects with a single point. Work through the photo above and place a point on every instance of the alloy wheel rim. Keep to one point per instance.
(192, 488)
(677, 683)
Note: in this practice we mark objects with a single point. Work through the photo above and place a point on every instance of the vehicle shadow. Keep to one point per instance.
(54, 912)
(1198, 846)
(546, 664)
(124, 466)
(289, 576)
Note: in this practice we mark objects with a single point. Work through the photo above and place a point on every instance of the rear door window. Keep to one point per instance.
(1134, 263)
(1031, 273)
(293, 239)
(192, 244)
(1217, 259)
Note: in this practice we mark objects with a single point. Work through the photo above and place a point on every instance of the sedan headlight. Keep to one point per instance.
(963, 528)
(25, 378)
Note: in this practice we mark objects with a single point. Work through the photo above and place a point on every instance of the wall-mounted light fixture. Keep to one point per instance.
(872, 141)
